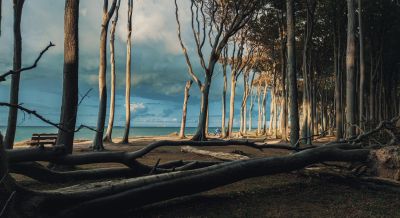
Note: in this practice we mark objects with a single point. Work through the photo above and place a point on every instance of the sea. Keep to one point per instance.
(25, 132)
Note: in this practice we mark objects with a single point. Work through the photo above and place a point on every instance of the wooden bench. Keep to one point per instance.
(41, 139)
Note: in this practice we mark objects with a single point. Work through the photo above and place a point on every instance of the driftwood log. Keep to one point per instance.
(217, 155)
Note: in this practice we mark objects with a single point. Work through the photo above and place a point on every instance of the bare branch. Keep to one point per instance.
(189, 64)
(11, 72)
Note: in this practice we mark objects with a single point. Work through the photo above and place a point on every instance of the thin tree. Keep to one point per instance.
(125, 138)
(14, 90)
(70, 81)
(292, 77)
(108, 137)
(1, 10)
(184, 109)
(362, 66)
(107, 14)
(224, 70)
(350, 78)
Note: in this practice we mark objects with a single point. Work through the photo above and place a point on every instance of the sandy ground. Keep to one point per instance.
(283, 195)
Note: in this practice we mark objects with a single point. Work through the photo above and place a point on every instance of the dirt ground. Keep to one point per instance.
(283, 195)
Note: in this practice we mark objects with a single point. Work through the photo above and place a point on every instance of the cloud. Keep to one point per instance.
(138, 106)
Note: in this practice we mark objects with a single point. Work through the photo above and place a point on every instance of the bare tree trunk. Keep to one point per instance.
(362, 67)
(14, 90)
(232, 105)
(108, 137)
(259, 117)
(251, 110)
(200, 134)
(264, 110)
(338, 75)
(223, 118)
(1, 10)
(184, 109)
(350, 79)
(98, 139)
(292, 78)
(71, 72)
(125, 138)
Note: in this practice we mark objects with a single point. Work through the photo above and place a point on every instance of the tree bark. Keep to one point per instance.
(101, 118)
(292, 78)
(232, 104)
(14, 89)
(223, 118)
(184, 109)
(110, 125)
(125, 138)
(350, 79)
(362, 67)
(200, 134)
(69, 105)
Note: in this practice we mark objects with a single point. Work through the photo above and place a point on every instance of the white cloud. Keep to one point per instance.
(138, 106)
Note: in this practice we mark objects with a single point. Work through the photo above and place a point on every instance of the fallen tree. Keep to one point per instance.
(161, 182)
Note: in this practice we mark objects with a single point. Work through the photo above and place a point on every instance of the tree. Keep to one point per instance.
(350, 78)
(1, 10)
(362, 67)
(69, 105)
(101, 117)
(292, 78)
(14, 90)
(184, 109)
(306, 129)
(125, 138)
(218, 21)
(224, 70)
(108, 137)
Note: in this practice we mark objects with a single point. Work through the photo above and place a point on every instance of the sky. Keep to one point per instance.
(159, 70)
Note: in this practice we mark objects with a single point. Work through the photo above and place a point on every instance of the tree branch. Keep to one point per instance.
(11, 72)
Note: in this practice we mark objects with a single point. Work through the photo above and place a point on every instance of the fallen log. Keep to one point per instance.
(57, 155)
(218, 155)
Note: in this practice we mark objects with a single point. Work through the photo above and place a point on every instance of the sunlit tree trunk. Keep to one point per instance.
(108, 137)
(125, 138)
(14, 89)
(70, 81)
(101, 117)
(350, 78)
(251, 109)
(232, 105)
(184, 109)
(292, 78)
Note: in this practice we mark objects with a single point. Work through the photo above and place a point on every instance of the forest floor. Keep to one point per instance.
(282, 195)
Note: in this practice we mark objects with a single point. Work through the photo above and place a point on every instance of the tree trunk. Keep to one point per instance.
(223, 118)
(184, 109)
(71, 72)
(350, 79)
(101, 117)
(259, 115)
(200, 134)
(232, 105)
(14, 89)
(108, 137)
(292, 78)
(1, 12)
(125, 138)
(338, 76)
(251, 110)
(264, 109)
(362, 67)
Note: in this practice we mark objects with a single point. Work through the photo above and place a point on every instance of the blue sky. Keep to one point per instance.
(158, 66)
